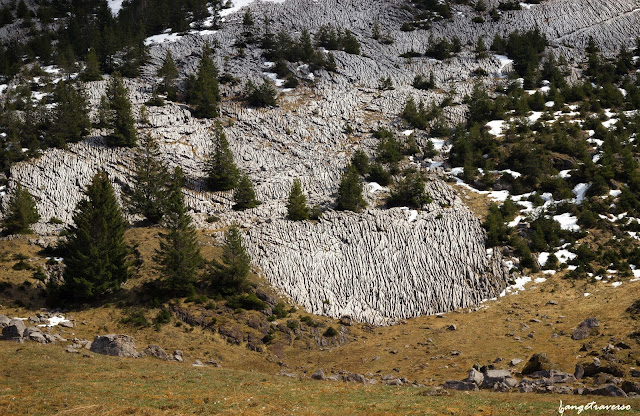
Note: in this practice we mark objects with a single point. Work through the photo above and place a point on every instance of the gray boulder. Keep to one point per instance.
(610, 390)
(499, 380)
(586, 329)
(475, 376)
(156, 351)
(38, 337)
(318, 375)
(631, 386)
(14, 330)
(538, 362)
(4, 321)
(116, 345)
(460, 385)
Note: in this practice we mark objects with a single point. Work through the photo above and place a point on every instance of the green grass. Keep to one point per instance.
(44, 380)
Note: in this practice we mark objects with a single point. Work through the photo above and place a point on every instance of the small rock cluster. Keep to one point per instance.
(539, 375)
(16, 330)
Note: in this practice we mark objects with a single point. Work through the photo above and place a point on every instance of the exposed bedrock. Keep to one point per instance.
(381, 265)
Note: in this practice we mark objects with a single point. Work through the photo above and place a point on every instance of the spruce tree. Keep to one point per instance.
(222, 173)
(179, 257)
(202, 91)
(168, 72)
(409, 191)
(244, 195)
(350, 192)
(229, 277)
(150, 180)
(22, 212)
(91, 71)
(96, 254)
(297, 209)
(71, 115)
(121, 118)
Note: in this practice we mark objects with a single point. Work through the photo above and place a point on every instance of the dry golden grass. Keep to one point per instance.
(422, 351)
(43, 380)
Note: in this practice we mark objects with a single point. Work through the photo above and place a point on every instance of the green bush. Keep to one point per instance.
(330, 332)
(292, 324)
(136, 318)
(249, 302)
(279, 310)
(163, 317)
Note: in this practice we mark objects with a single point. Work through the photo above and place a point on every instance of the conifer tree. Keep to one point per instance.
(22, 212)
(168, 72)
(91, 71)
(410, 191)
(297, 209)
(222, 173)
(179, 257)
(96, 254)
(150, 181)
(360, 161)
(350, 192)
(104, 112)
(229, 277)
(244, 195)
(121, 119)
(202, 91)
(71, 115)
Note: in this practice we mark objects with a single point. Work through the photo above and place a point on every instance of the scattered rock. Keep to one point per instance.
(14, 330)
(537, 362)
(345, 320)
(631, 386)
(318, 375)
(586, 329)
(610, 390)
(197, 363)
(515, 362)
(475, 376)
(116, 345)
(460, 385)
(4, 321)
(452, 327)
(72, 350)
(156, 351)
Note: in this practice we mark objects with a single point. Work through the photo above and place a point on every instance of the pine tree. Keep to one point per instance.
(104, 112)
(350, 192)
(360, 161)
(92, 69)
(179, 257)
(297, 209)
(222, 173)
(410, 191)
(96, 254)
(121, 118)
(202, 90)
(230, 276)
(244, 195)
(168, 72)
(71, 115)
(150, 181)
(22, 212)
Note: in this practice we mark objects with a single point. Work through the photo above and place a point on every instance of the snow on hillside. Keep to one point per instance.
(115, 6)
(238, 4)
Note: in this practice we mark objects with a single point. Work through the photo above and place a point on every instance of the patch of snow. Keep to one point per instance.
(239, 4)
(438, 144)
(579, 190)
(616, 284)
(54, 320)
(115, 6)
(503, 61)
(550, 272)
(565, 174)
(407, 132)
(540, 280)
(535, 115)
(609, 123)
(587, 294)
(615, 193)
(549, 104)
(495, 127)
(543, 257)
(567, 222)
(376, 187)
(515, 221)
(564, 255)
(161, 38)
(274, 77)
(517, 286)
